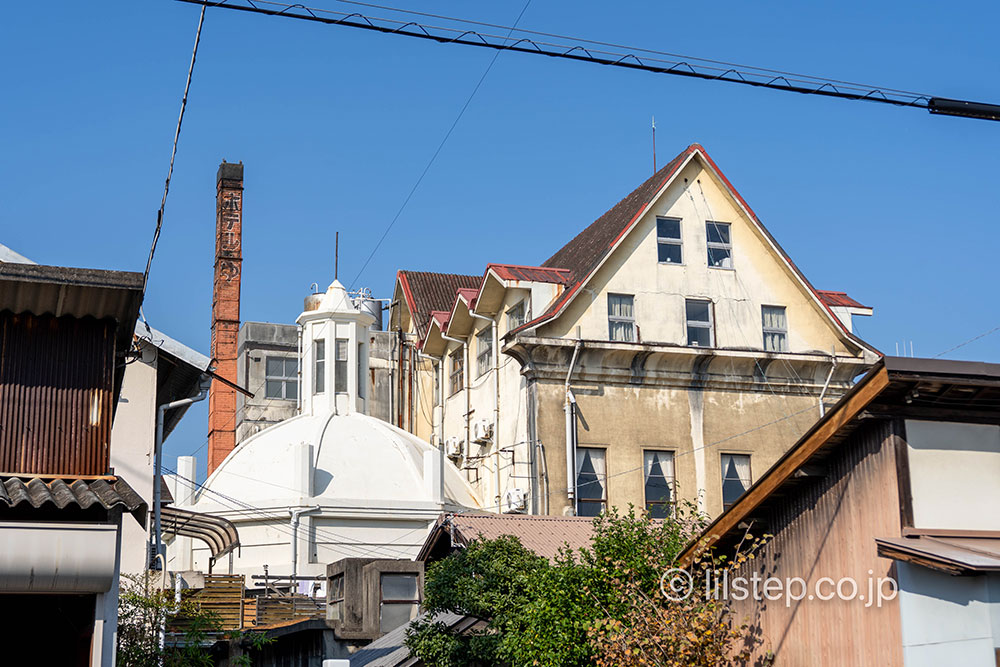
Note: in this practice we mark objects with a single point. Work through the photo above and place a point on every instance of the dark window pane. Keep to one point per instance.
(717, 232)
(657, 487)
(291, 389)
(669, 253)
(589, 485)
(732, 486)
(658, 510)
(275, 366)
(720, 258)
(700, 336)
(697, 311)
(273, 389)
(589, 508)
(668, 229)
(291, 368)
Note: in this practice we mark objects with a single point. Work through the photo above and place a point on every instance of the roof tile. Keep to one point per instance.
(544, 535)
(432, 292)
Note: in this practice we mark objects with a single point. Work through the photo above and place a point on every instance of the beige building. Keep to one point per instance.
(670, 350)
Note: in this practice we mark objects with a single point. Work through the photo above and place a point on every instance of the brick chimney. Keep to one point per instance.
(225, 310)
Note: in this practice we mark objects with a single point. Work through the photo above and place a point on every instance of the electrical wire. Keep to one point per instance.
(173, 152)
(971, 340)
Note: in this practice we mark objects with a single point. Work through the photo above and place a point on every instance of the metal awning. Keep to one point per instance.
(219, 534)
(954, 553)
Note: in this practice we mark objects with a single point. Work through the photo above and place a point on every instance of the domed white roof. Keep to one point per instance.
(357, 460)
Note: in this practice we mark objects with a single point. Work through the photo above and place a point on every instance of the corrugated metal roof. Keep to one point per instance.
(838, 299)
(537, 274)
(952, 554)
(389, 650)
(62, 493)
(544, 535)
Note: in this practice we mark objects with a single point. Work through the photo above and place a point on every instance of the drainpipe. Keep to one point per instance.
(438, 364)
(570, 409)
(826, 385)
(158, 448)
(496, 388)
(295, 514)
(298, 379)
(466, 373)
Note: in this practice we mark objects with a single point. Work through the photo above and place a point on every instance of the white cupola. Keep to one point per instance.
(334, 353)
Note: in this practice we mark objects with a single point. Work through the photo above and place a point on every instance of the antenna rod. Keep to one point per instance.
(654, 144)
(336, 255)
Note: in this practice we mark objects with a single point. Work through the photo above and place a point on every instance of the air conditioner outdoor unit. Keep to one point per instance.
(482, 430)
(453, 447)
(515, 501)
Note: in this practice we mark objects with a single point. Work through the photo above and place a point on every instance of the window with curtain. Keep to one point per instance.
(668, 241)
(591, 481)
(281, 378)
(340, 366)
(700, 329)
(621, 317)
(319, 366)
(484, 351)
(399, 601)
(457, 371)
(659, 473)
(720, 244)
(775, 328)
(735, 477)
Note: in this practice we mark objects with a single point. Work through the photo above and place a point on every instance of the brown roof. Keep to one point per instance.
(73, 493)
(841, 299)
(544, 535)
(426, 292)
(537, 274)
(954, 554)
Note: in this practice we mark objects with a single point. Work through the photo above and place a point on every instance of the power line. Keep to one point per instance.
(971, 340)
(173, 153)
(573, 49)
(437, 151)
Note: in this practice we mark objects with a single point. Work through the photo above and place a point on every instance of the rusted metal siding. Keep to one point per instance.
(826, 528)
(56, 394)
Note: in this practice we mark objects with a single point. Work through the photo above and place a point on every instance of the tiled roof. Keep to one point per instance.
(426, 291)
(469, 294)
(108, 492)
(542, 534)
(537, 274)
(834, 299)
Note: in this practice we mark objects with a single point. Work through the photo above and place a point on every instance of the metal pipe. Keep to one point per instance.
(298, 375)
(158, 455)
(568, 408)
(295, 514)
(826, 385)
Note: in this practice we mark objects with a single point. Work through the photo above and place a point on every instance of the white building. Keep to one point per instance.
(344, 483)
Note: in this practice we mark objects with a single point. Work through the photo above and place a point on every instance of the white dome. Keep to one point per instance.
(357, 460)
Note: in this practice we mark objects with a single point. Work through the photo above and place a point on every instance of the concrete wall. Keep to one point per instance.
(954, 473)
(257, 341)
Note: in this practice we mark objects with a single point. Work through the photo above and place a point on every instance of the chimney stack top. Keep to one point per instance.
(229, 172)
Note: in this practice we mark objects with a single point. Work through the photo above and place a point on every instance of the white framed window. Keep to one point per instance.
(361, 371)
(720, 244)
(735, 478)
(457, 371)
(621, 317)
(399, 600)
(340, 365)
(517, 315)
(658, 469)
(484, 351)
(281, 378)
(591, 481)
(700, 328)
(319, 366)
(775, 326)
(668, 241)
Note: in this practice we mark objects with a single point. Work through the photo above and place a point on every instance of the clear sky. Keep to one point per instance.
(894, 206)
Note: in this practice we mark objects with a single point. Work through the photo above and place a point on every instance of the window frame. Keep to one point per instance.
(765, 330)
(383, 601)
(617, 319)
(485, 335)
(285, 379)
(723, 478)
(699, 324)
(337, 604)
(671, 482)
(666, 240)
(319, 366)
(514, 321)
(456, 372)
(341, 385)
(602, 480)
(719, 245)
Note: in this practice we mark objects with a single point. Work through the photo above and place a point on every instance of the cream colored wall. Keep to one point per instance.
(132, 440)
(660, 290)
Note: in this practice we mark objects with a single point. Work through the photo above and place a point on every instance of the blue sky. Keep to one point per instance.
(894, 206)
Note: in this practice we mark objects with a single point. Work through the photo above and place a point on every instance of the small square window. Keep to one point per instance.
(517, 315)
(281, 378)
(720, 244)
(621, 317)
(484, 351)
(700, 329)
(735, 478)
(659, 490)
(668, 241)
(591, 481)
(775, 327)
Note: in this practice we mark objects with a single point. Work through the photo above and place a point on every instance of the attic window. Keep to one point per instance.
(516, 315)
(668, 241)
(484, 351)
(621, 317)
(700, 329)
(720, 244)
(775, 327)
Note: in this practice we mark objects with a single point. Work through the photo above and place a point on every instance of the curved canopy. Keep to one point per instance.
(219, 534)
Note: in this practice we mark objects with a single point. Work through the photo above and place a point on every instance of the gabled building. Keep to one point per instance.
(670, 350)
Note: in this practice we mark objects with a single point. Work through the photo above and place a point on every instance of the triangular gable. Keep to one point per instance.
(425, 291)
(588, 251)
